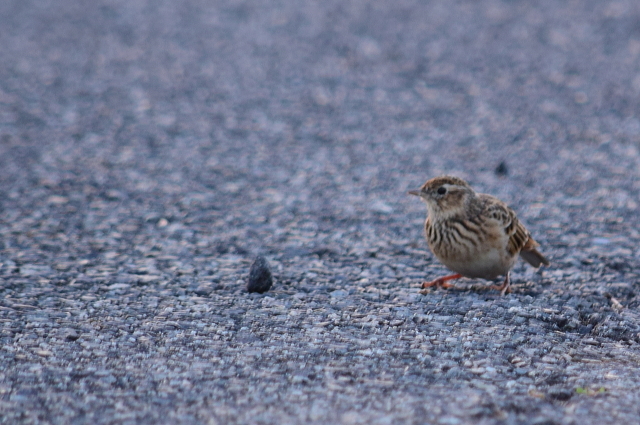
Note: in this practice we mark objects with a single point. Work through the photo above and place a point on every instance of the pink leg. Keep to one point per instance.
(441, 282)
(505, 288)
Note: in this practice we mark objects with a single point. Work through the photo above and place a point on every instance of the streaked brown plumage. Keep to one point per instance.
(474, 234)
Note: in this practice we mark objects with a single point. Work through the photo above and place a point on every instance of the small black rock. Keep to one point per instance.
(502, 169)
(260, 279)
(560, 394)
(72, 335)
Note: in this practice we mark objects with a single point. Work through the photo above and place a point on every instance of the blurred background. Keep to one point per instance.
(241, 117)
(202, 129)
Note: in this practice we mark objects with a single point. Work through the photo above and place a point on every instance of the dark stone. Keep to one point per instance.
(72, 335)
(260, 278)
(502, 169)
(560, 394)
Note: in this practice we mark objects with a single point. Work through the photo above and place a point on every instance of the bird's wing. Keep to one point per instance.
(519, 237)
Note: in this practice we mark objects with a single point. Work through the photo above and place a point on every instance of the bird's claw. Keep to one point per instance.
(438, 283)
(441, 282)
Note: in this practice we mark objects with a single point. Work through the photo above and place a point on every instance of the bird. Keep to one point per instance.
(475, 235)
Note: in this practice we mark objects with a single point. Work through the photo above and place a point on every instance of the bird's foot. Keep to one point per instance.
(440, 282)
(505, 288)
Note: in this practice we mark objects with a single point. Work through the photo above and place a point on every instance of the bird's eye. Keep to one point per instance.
(442, 190)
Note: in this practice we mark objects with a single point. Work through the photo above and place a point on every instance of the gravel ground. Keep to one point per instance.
(150, 151)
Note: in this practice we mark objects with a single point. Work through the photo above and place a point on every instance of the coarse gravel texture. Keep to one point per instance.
(151, 150)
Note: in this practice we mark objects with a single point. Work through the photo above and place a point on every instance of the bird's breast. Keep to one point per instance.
(470, 249)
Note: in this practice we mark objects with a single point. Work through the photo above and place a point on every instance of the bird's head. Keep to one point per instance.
(445, 196)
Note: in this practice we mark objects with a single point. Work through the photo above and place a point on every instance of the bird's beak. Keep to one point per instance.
(414, 192)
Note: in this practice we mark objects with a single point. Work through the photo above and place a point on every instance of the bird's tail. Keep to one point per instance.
(534, 258)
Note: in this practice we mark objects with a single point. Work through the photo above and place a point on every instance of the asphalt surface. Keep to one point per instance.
(150, 151)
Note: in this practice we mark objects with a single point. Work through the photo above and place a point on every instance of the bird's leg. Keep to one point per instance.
(441, 282)
(505, 288)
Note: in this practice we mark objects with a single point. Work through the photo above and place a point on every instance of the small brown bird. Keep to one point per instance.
(474, 234)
